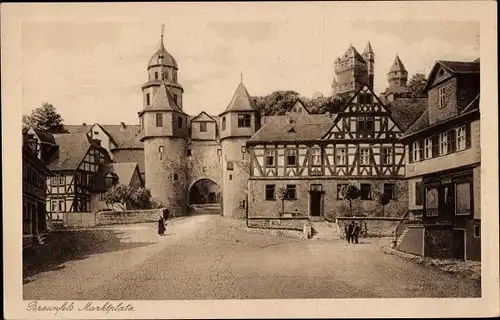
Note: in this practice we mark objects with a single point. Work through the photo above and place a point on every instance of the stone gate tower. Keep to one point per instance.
(238, 123)
(164, 132)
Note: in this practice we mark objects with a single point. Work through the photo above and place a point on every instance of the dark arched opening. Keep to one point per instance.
(205, 191)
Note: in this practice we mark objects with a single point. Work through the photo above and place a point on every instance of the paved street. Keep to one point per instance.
(209, 257)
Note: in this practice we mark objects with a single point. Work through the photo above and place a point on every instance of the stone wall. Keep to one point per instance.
(286, 223)
(80, 219)
(204, 162)
(258, 206)
(438, 242)
(129, 216)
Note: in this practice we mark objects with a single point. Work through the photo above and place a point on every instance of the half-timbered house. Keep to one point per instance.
(314, 159)
(443, 166)
(77, 159)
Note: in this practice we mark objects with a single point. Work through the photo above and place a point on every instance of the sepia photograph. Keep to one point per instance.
(238, 152)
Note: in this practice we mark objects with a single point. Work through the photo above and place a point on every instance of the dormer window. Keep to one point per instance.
(203, 127)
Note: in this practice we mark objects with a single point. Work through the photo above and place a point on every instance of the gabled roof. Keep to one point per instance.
(352, 52)
(304, 106)
(163, 101)
(241, 100)
(124, 171)
(454, 67)
(397, 65)
(203, 116)
(275, 132)
(423, 123)
(368, 48)
(72, 149)
(44, 136)
(124, 135)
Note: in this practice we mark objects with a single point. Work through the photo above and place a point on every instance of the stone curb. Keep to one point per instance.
(467, 270)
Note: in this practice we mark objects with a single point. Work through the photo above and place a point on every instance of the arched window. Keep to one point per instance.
(224, 123)
(159, 120)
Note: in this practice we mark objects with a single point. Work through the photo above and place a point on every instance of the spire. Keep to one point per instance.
(163, 101)
(397, 65)
(241, 100)
(162, 31)
(368, 48)
(241, 76)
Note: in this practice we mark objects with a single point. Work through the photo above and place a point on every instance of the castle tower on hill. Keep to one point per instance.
(397, 75)
(239, 121)
(353, 70)
(164, 127)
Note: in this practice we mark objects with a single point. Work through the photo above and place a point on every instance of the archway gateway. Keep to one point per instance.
(205, 192)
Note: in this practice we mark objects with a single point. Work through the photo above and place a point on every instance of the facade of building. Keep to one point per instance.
(35, 175)
(353, 71)
(314, 156)
(443, 166)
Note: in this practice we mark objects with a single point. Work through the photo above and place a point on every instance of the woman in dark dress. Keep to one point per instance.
(161, 226)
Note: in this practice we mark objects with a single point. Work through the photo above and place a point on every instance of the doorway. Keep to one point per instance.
(315, 209)
(459, 244)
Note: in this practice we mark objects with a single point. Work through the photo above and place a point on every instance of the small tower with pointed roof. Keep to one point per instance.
(239, 121)
(369, 57)
(164, 132)
(397, 75)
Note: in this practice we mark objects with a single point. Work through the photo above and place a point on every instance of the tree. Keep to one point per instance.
(44, 118)
(416, 85)
(350, 192)
(281, 194)
(383, 199)
(129, 197)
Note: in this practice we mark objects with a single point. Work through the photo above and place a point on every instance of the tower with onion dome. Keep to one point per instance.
(164, 132)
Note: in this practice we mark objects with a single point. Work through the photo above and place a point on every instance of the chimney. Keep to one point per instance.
(84, 124)
(124, 126)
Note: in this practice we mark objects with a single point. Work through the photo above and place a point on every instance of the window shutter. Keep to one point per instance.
(435, 146)
(410, 153)
(467, 136)
(452, 134)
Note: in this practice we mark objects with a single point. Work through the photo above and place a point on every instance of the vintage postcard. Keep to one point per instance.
(253, 159)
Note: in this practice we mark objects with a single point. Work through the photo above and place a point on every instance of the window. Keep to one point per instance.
(291, 192)
(477, 231)
(389, 190)
(416, 151)
(62, 179)
(179, 123)
(316, 157)
(442, 97)
(244, 120)
(219, 152)
(148, 100)
(156, 75)
(463, 199)
(299, 110)
(431, 202)
(387, 156)
(230, 166)
(224, 123)
(340, 190)
(419, 193)
(102, 196)
(175, 76)
(176, 177)
(60, 205)
(340, 158)
(53, 205)
(291, 157)
(203, 127)
(365, 125)
(428, 148)
(364, 156)
(160, 152)
(461, 138)
(443, 143)
(165, 75)
(189, 152)
(159, 120)
(230, 177)
(270, 192)
(366, 191)
(270, 158)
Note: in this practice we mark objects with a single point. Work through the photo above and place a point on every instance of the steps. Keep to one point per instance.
(324, 230)
(401, 237)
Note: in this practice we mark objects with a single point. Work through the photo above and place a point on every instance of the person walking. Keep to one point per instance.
(355, 233)
(161, 226)
(347, 234)
(350, 230)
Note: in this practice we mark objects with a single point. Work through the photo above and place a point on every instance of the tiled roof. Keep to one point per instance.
(241, 100)
(460, 66)
(163, 101)
(77, 128)
(473, 105)
(72, 149)
(421, 123)
(124, 171)
(273, 132)
(397, 65)
(125, 135)
(352, 52)
(405, 111)
(44, 136)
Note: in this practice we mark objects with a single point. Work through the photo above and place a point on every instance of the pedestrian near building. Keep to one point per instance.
(161, 226)
(350, 230)
(355, 233)
(347, 234)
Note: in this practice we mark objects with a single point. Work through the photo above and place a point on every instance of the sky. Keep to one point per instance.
(92, 71)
